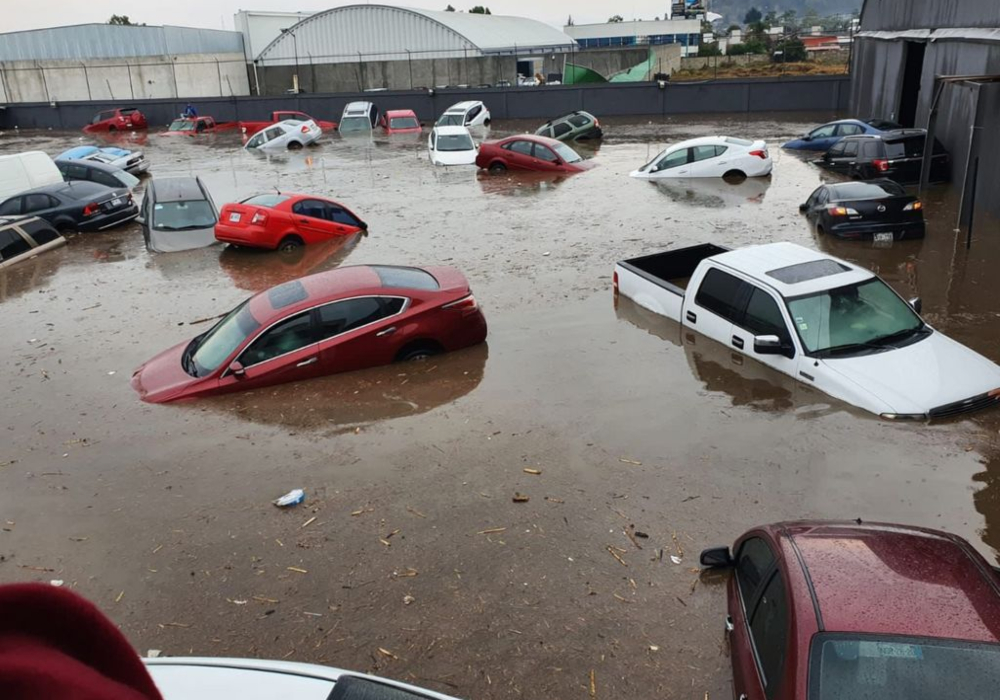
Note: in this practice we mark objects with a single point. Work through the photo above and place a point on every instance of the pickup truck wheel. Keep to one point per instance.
(735, 176)
(290, 243)
(497, 168)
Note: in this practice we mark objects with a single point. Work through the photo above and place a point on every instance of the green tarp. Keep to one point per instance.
(576, 75)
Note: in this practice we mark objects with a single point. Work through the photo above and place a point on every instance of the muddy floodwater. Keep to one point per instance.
(409, 558)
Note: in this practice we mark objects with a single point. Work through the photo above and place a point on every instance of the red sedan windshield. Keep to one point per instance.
(895, 668)
(207, 354)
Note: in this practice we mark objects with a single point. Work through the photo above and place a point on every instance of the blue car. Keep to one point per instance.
(821, 138)
(132, 162)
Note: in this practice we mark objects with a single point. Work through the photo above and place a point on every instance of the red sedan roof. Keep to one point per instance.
(892, 579)
(306, 292)
(545, 140)
(400, 113)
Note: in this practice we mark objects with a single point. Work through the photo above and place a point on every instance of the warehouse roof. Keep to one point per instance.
(381, 32)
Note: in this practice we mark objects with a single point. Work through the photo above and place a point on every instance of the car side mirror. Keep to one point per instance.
(804, 207)
(237, 369)
(807, 137)
(768, 345)
(917, 304)
(716, 558)
(140, 220)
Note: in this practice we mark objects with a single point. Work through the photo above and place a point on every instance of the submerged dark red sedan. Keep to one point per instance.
(345, 319)
(529, 152)
(850, 611)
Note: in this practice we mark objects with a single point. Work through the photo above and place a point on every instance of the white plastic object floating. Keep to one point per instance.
(292, 498)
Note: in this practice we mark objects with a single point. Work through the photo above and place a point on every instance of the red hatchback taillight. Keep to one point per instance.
(760, 154)
(881, 164)
(259, 219)
(466, 305)
(91, 209)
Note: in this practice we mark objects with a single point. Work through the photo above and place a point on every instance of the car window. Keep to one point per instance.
(257, 140)
(545, 153)
(723, 294)
(340, 215)
(561, 129)
(473, 113)
(406, 278)
(870, 149)
(313, 208)
(837, 149)
(763, 316)
(752, 562)
(202, 125)
(74, 171)
(403, 123)
(183, 216)
(849, 130)
(672, 160)
(11, 206)
(12, 244)
(523, 148)
(823, 196)
(287, 336)
(37, 202)
(823, 131)
(910, 147)
(769, 629)
(343, 316)
(40, 231)
(273, 133)
(851, 149)
(103, 178)
(703, 153)
(721, 150)
(579, 121)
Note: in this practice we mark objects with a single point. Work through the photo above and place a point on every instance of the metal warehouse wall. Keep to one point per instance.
(899, 15)
(810, 93)
(89, 41)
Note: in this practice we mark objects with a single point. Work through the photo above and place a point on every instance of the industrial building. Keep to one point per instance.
(684, 32)
(365, 47)
(933, 64)
(109, 62)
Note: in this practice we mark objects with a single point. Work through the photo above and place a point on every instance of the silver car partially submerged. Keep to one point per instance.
(178, 213)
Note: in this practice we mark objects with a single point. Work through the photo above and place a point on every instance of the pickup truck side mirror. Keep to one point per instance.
(716, 558)
(237, 369)
(917, 304)
(771, 345)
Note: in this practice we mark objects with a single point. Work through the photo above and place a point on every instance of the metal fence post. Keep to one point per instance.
(86, 77)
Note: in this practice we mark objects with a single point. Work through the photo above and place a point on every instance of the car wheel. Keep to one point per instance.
(819, 229)
(486, 122)
(419, 352)
(294, 146)
(112, 128)
(290, 243)
(735, 175)
(497, 168)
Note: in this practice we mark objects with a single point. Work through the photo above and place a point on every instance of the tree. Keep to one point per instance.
(792, 50)
(752, 15)
(750, 46)
(709, 49)
(788, 19)
(124, 21)
(480, 10)
(771, 18)
(615, 19)
(449, 9)
(734, 28)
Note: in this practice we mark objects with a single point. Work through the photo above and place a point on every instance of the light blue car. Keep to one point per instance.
(821, 138)
(133, 162)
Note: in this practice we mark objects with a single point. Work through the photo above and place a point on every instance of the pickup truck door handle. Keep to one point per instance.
(387, 331)
(737, 342)
(306, 363)
(692, 316)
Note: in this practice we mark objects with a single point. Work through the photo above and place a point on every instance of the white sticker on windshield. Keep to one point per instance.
(157, 206)
(890, 650)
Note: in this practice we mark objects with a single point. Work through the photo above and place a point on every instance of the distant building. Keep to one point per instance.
(685, 32)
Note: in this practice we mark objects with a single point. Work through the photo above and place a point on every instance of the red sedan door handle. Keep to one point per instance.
(303, 221)
(306, 363)
(387, 331)
(729, 623)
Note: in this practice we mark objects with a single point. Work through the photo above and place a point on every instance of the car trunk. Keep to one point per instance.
(240, 215)
(889, 210)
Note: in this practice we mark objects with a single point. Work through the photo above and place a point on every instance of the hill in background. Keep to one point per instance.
(734, 11)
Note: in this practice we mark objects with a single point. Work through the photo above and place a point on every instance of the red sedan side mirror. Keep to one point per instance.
(237, 369)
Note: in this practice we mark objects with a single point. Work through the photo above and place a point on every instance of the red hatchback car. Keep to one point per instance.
(122, 119)
(400, 121)
(285, 221)
(850, 611)
(529, 152)
(336, 321)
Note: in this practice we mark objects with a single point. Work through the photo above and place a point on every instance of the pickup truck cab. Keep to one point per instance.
(192, 126)
(827, 323)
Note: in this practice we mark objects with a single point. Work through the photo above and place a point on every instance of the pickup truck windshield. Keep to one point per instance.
(897, 668)
(858, 317)
(181, 125)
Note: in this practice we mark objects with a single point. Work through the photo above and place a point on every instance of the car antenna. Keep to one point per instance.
(277, 190)
(857, 520)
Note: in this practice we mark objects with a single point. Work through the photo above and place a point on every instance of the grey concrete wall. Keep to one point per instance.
(812, 93)
(154, 77)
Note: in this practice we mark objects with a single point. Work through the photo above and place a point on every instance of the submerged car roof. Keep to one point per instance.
(893, 579)
(400, 113)
(463, 106)
(452, 130)
(767, 263)
(75, 189)
(176, 189)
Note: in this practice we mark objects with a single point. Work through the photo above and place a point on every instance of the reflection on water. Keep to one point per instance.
(257, 270)
(343, 402)
(714, 191)
(521, 184)
(30, 274)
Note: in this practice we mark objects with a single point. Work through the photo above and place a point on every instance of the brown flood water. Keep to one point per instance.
(162, 514)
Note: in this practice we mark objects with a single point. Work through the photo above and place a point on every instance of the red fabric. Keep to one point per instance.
(54, 644)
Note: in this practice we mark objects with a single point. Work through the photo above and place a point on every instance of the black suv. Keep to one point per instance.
(898, 155)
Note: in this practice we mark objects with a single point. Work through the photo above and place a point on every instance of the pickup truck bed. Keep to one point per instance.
(670, 272)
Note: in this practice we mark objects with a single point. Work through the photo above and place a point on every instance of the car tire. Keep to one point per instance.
(735, 175)
(112, 128)
(64, 226)
(290, 243)
(486, 122)
(819, 229)
(418, 351)
(294, 146)
(497, 168)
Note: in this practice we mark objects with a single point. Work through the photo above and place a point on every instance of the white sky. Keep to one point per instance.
(218, 14)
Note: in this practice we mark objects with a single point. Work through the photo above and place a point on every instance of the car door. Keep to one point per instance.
(520, 155)
(545, 159)
(561, 130)
(718, 302)
(287, 351)
(673, 164)
(11, 207)
(38, 203)
(818, 206)
(755, 564)
(823, 137)
(833, 159)
(769, 636)
(704, 162)
(764, 315)
(310, 216)
(360, 332)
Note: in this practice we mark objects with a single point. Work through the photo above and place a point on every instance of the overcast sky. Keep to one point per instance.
(218, 14)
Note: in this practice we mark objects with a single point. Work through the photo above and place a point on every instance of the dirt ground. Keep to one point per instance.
(760, 70)
(409, 558)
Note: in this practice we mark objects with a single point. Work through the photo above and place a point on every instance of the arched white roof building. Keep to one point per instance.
(385, 33)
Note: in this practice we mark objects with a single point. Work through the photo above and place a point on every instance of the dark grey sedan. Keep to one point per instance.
(83, 206)
(94, 171)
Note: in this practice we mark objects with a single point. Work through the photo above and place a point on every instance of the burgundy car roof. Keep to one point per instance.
(892, 579)
(306, 292)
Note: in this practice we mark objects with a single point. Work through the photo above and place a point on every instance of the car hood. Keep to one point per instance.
(162, 378)
(927, 374)
(454, 157)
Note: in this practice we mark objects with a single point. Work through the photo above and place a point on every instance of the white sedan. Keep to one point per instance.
(290, 133)
(451, 145)
(470, 113)
(710, 156)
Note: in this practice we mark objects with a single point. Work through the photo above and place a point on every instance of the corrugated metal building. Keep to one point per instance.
(935, 64)
(103, 61)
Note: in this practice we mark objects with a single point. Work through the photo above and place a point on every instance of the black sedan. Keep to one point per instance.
(878, 210)
(84, 206)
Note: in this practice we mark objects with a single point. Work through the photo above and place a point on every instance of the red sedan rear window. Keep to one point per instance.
(406, 278)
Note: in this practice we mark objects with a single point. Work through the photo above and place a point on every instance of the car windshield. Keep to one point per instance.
(403, 123)
(355, 124)
(566, 153)
(900, 668)
(206, 354)
(181, 125)
(452, 120)
(455, 142)
(856, 318)
(181, 216)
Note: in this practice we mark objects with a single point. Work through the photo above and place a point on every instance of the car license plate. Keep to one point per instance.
(116, 202)
(234, 217)
(883, 237)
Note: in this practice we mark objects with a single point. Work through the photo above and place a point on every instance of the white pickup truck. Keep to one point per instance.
(827, 323)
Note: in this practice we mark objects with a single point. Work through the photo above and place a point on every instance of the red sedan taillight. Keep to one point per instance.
(466, 305)
(91, 209)
(615, 282)
(760, 154)
(305, 129)
(259, 219)
(881, 164)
